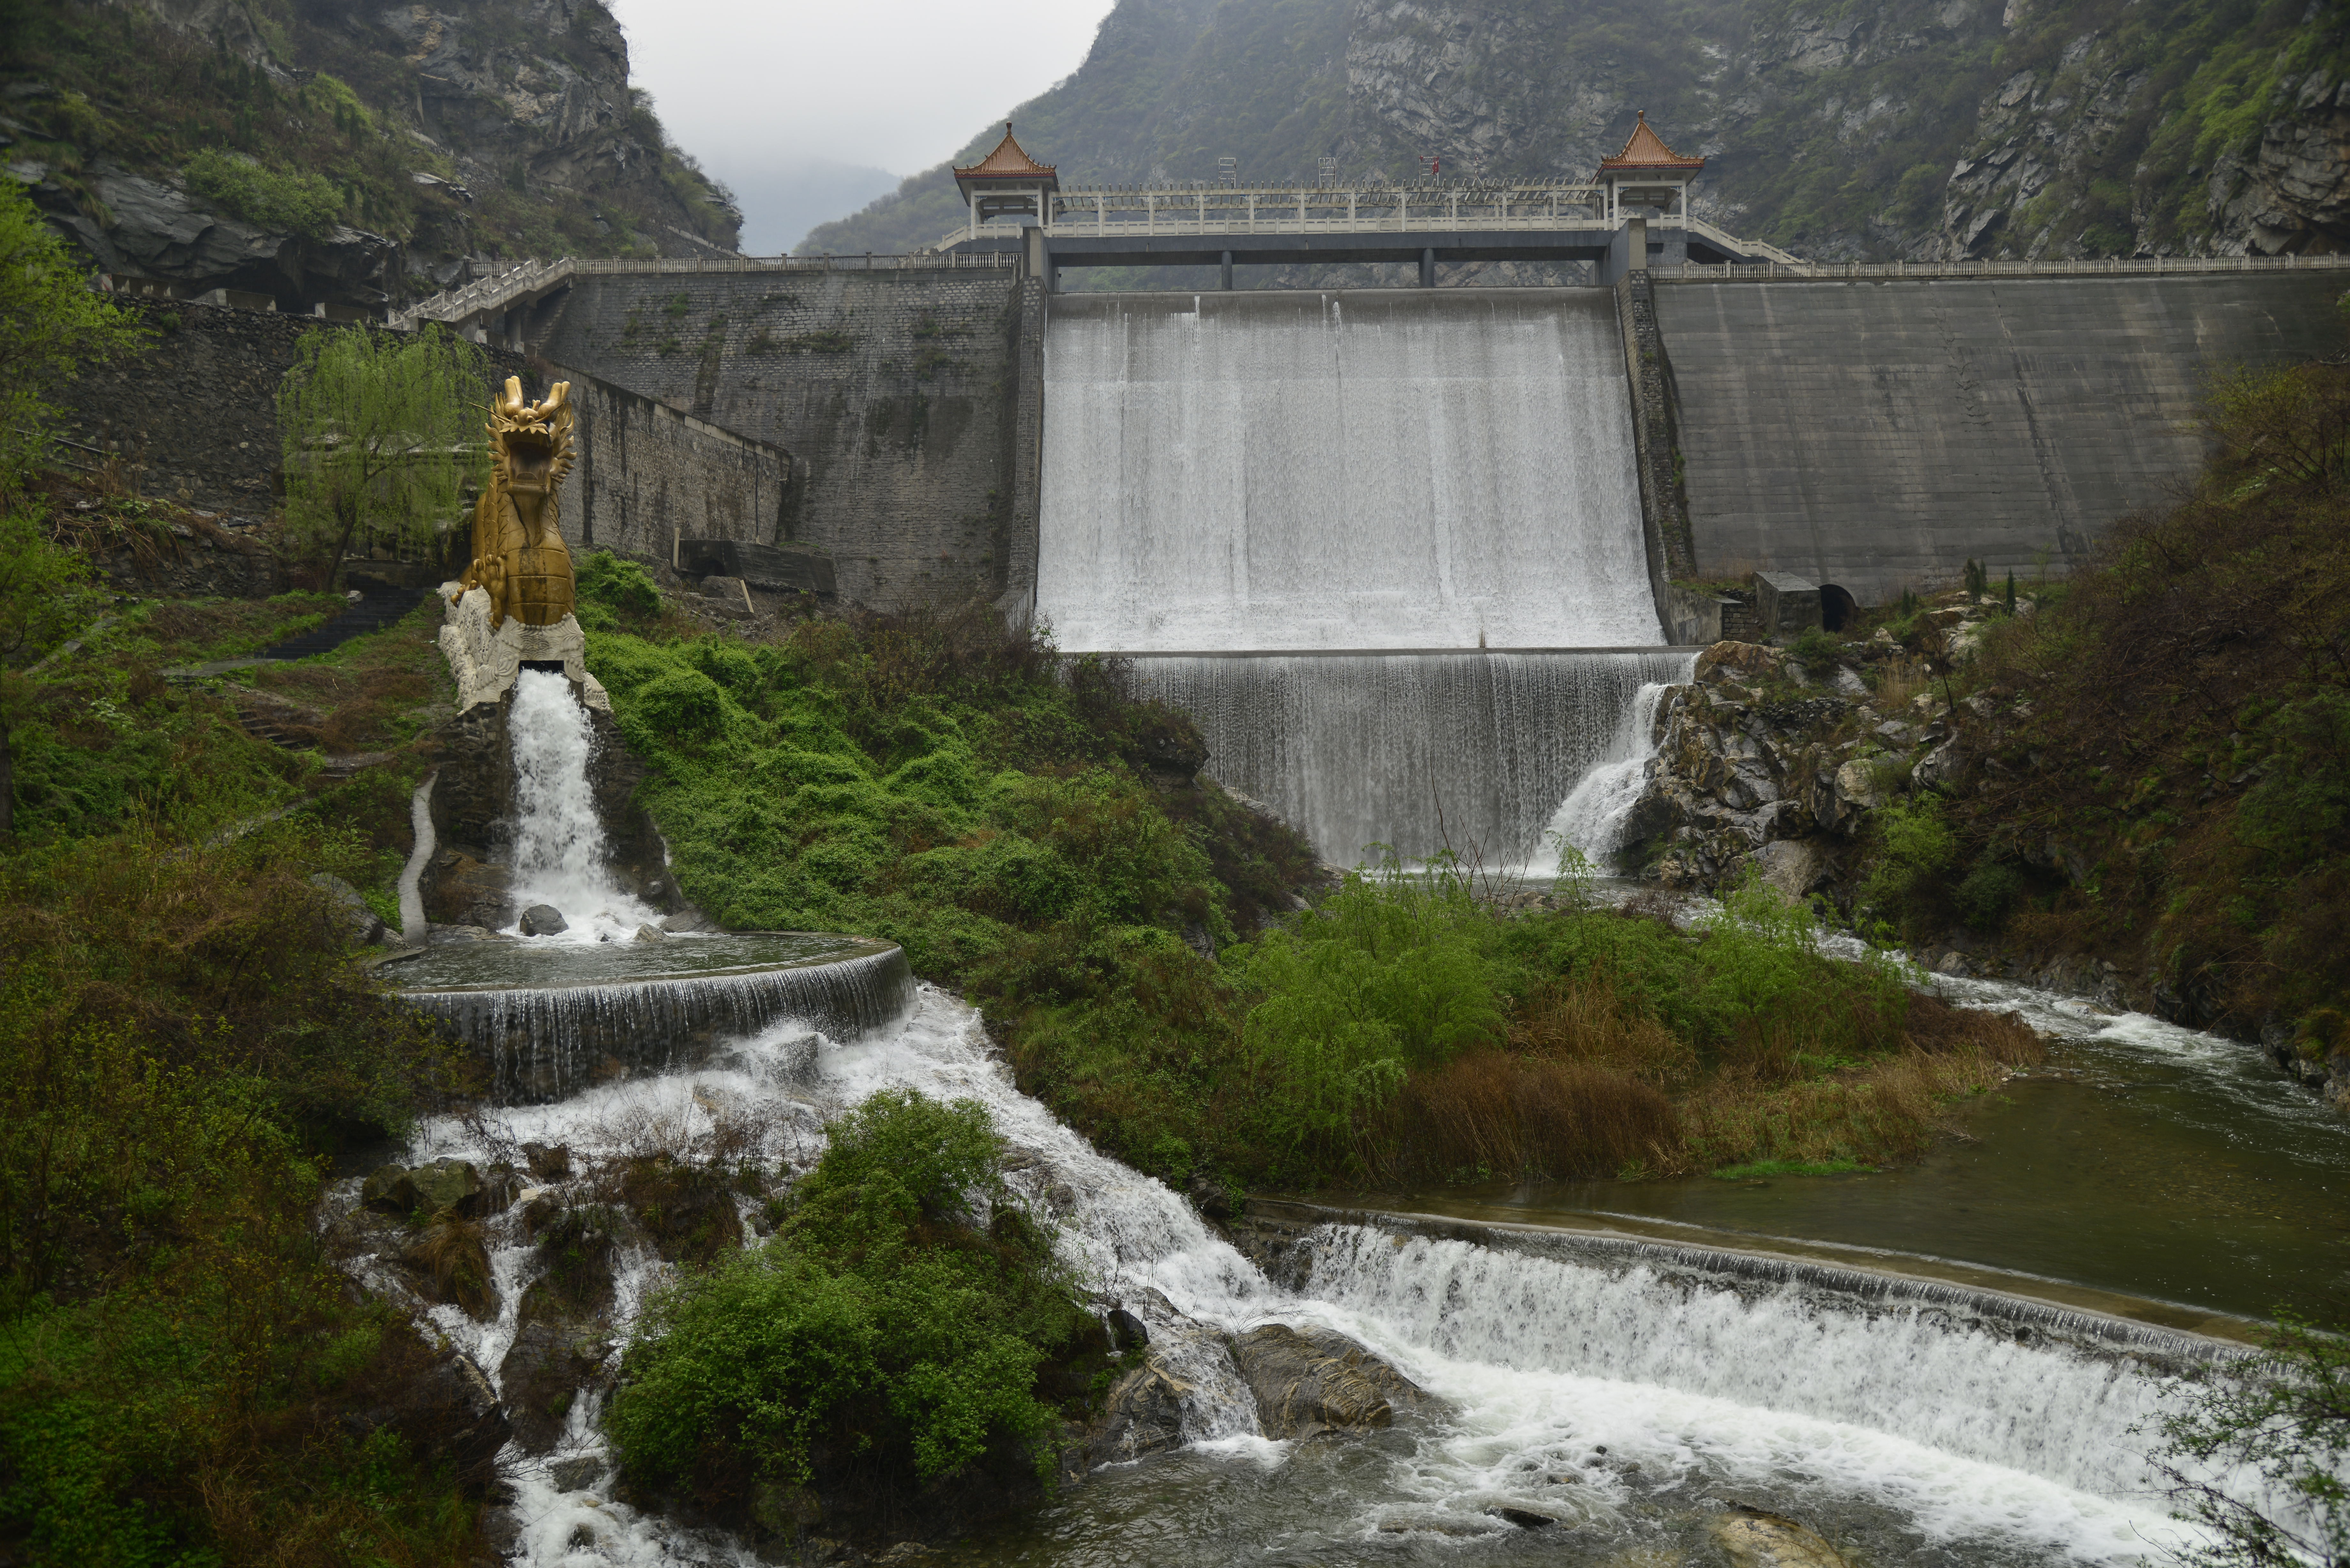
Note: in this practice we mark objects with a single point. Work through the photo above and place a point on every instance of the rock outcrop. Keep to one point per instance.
(1310, 1380)
(462, 134)
(1930, 130)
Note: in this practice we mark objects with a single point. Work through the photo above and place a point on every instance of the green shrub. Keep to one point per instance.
(897, 1318)
(614, 584)
(1389, 974)
(1989, 892)
(271, 198)
(1914, 847)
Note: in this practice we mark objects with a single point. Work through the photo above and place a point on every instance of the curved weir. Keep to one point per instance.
(551, 1019)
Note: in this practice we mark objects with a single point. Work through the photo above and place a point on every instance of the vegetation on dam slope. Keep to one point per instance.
(1039, 840)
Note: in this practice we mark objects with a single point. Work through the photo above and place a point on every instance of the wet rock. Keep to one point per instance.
(1128, 1332)
(444, 1186)
(577, 1474)
(1523, 1518)
(1755, 1539)
(448, 1412)
(463, 891)
(544, 921)
(1143, 1414)
(557, 1351)
(1310, 1380)
(548, 1162)
(687, 1211)
(651, 934)
(450, 1261)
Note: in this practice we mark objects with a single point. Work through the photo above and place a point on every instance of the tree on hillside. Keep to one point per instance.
(380, 428)
(51, 324)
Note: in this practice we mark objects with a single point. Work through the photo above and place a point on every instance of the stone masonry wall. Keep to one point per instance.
(195, 416)
(889, 389)
(647, 474)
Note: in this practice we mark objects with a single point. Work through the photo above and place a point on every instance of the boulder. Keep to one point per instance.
(556, 1355)
(542, 920)
(651, 933)
(1126, 1332)
(548, 1162)
(1755, 1539)
(1795, 867)
(1143, 1414)
(348, 910)
(577, 1474)
(1857, 787)
(1310, 1380)
(444, 1186)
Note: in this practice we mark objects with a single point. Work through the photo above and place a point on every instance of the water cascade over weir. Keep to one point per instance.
(1384, 546)
(1924, 1425)
(612, 993)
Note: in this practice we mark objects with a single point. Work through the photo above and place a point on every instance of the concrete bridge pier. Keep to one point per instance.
(1228, 270)
(1427, 268)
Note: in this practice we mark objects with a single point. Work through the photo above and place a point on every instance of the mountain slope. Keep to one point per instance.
(1923, 128)
(326, 151)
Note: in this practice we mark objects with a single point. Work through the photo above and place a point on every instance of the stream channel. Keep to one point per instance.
(1591, 1405)
(1630, 1405)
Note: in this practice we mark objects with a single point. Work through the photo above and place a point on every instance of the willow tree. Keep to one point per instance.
(377, 429)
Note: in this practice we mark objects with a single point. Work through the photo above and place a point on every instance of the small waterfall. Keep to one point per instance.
(559, 852)
(1476, 750)
(1377, 470)
(1595, 817)
(545, 1043)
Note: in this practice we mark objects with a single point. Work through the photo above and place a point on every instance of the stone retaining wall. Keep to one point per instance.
(891, 388)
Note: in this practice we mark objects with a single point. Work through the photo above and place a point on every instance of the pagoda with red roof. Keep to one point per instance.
(1007, 183)
(1647, 174)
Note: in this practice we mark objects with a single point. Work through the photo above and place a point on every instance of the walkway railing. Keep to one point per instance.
(496, 294)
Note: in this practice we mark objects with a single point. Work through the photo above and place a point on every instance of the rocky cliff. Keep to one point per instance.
(1918, 129)
(342, 154)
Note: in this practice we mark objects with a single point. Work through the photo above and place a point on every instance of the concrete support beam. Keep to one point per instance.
(1428, 269)
(1228, 270)
(1036, 257)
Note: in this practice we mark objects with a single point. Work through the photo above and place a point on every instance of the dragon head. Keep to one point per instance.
(530, 443)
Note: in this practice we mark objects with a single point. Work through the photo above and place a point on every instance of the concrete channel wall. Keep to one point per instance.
(892, 389)
(1880, 432)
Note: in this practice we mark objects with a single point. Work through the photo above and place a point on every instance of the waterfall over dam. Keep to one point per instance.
(1384, 547)
(1365, 470)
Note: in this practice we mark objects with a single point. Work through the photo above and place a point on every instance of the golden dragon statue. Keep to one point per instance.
(519, 557)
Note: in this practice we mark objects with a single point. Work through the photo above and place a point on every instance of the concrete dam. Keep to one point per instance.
(1410, 555)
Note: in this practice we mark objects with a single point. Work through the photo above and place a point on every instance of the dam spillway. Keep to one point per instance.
(1471, 751)
(1357, 470)
(1384, 548)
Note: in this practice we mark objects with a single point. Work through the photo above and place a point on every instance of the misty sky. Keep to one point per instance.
(802, 107)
